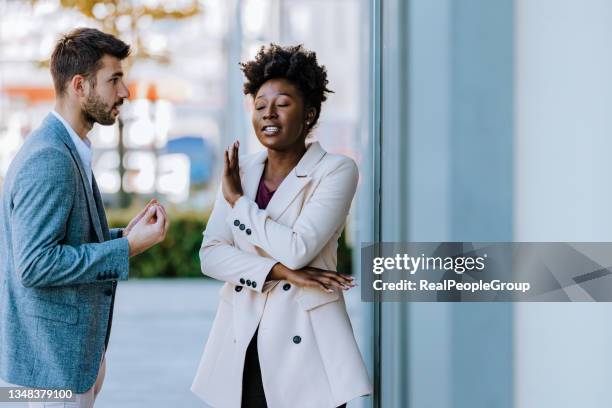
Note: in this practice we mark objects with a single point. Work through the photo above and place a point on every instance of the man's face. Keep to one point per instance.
(103, 100)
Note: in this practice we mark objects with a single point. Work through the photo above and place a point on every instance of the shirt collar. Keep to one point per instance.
(83, 146)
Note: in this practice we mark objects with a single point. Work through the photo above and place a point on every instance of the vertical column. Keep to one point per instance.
(564, 123)
(445, 173)
(481, 189)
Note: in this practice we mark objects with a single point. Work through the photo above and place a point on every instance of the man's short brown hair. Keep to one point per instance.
(79, 53)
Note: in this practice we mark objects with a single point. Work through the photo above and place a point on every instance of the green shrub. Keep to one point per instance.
(178, 254)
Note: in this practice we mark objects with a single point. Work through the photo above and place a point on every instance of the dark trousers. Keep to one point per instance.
(252, 387)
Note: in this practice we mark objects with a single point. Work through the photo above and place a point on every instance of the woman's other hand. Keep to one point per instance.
(310, 277)
(230, 183)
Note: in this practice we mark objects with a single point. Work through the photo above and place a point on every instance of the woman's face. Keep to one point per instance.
(279, 115)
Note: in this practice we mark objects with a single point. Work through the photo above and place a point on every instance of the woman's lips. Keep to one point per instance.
(271, 130)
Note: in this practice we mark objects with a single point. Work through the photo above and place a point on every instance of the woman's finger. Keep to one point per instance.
(318, 285)
(236, 150)
(330, 282)
(226, 162)
(230, 157)
(339, 277)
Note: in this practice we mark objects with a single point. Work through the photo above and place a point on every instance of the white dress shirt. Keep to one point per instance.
(83, 147)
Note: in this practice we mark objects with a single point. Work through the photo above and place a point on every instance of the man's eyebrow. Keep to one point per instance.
(118, 74)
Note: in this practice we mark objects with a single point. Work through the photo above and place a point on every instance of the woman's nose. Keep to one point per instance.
(270, 113)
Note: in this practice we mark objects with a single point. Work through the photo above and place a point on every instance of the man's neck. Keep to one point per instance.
(74, 116)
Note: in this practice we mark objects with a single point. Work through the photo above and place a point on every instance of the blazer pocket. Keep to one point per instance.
(59, 312)
(310, 298)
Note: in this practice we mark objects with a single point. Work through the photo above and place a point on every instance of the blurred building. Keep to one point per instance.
(194, 91)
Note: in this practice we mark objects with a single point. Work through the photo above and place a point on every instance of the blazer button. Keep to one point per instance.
(236, 223)
(248, 282)
(286, 286)
(108, 292)
(253, 284)
(238, 288)
(297, 339)
(242, 227)
(242, 281)
(248, 231)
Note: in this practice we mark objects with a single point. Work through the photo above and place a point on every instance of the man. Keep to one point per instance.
(59, 262)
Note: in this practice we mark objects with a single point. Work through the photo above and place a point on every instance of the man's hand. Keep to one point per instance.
(149, 230)
(310, 277)
(230, 183)
(137, 218)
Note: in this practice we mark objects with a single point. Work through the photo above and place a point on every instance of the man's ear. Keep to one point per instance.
(79, 85)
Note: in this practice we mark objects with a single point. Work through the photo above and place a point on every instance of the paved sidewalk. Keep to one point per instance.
(159, 331)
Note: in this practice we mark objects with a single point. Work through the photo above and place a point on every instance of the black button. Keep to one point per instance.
(248, 231)
(248, 282)
(242, 227)
(254, 284)
(286, 286)
(238, 288)
(297, 339)
(236, 223)
(242, 281)
(108, 292)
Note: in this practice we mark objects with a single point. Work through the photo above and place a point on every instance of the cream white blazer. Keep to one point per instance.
(308, 354)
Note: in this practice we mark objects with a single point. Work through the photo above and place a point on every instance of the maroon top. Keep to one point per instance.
(264, 195)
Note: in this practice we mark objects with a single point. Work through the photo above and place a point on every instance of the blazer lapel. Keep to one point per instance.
(251, 174)
(100, 208)
(62, 133)
(295, 181)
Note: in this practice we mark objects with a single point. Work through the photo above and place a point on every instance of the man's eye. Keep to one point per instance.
(114, 80)
(259, 107)
(282, 105)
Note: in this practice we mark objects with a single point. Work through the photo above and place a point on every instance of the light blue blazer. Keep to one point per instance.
(59, 265)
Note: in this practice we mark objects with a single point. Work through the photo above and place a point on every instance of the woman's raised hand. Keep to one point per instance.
(230, 183)
(310, 277)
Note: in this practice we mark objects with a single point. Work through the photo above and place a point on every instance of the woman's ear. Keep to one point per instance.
(311, 113)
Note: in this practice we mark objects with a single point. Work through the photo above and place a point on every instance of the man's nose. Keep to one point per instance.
(124, 92)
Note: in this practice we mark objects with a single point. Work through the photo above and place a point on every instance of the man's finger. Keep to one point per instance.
(149, 214)
(159, 223)
(163, 210)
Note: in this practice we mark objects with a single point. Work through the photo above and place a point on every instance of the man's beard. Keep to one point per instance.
(96, 111)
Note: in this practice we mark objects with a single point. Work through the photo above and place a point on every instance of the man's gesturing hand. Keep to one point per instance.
(138, 217)
(149, 230)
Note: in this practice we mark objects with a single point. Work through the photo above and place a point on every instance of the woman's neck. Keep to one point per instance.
(280, 164)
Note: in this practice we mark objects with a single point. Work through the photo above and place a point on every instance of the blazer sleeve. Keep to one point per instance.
(323, 214)
(220, 259)
(116, 233)
(40, 213)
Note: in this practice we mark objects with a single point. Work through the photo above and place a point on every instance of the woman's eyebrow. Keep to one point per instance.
(280, 93)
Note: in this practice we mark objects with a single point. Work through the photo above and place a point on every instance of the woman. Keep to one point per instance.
(282, 337)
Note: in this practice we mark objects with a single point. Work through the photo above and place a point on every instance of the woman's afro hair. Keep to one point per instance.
(294, 63)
